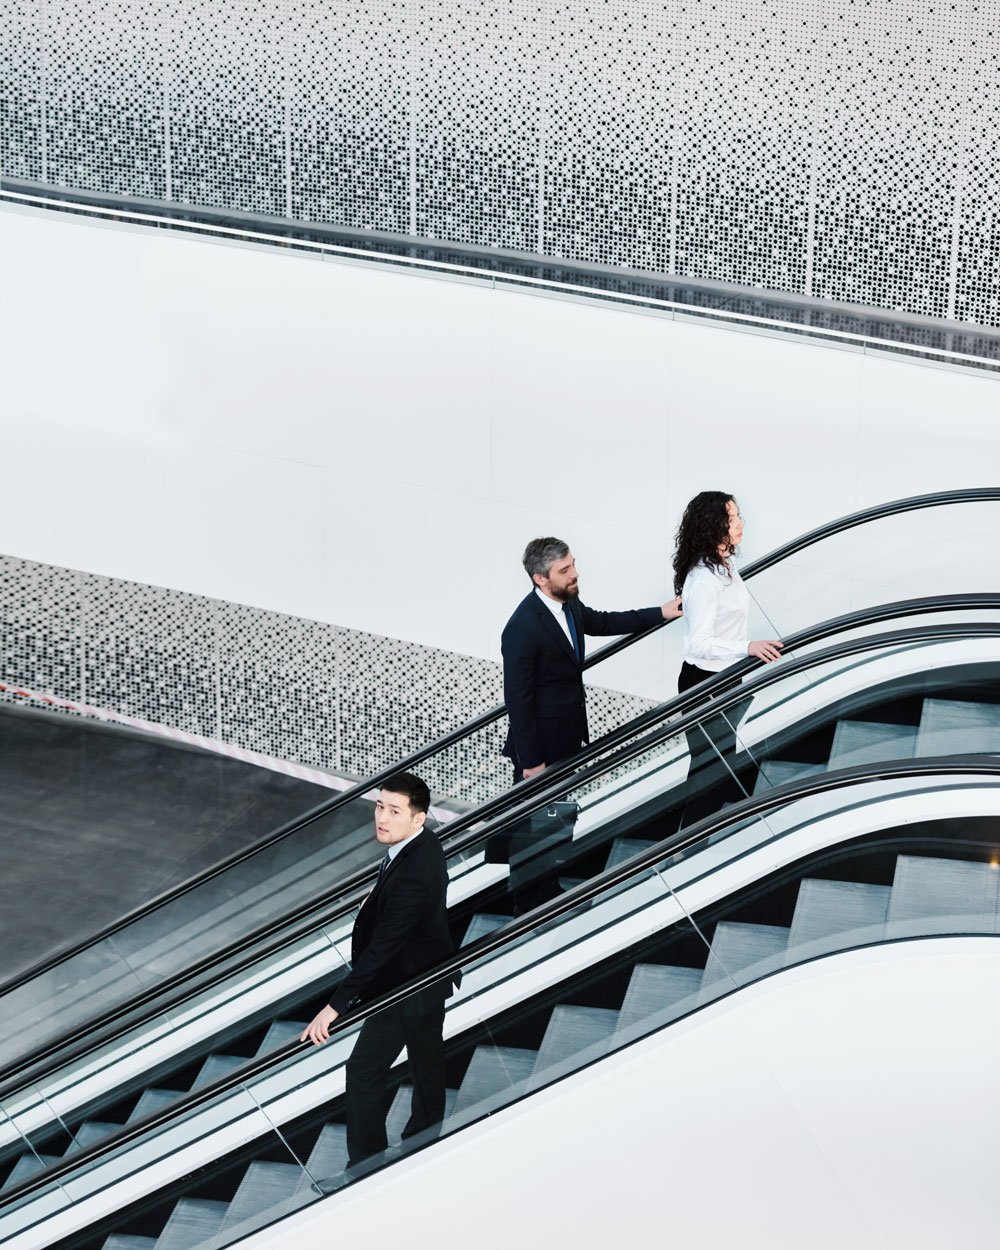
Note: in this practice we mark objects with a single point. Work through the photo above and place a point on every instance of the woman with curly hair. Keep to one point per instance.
(716, 611)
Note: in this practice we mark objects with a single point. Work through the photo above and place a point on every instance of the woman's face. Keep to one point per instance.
(735, 528)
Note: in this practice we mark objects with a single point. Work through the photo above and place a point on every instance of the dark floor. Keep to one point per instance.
(94, 820)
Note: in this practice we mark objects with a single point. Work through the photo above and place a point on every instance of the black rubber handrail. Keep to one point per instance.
(506, 809)
(866, 515)
(509, 934)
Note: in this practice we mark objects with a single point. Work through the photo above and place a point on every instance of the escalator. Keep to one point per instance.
(853, 697)
(622, 956)
(131, 970)
(631, 797)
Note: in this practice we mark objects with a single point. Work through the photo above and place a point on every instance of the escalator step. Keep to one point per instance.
(481, 924)
(780, 772)
(492, 1071)
(942, 896)
(741, 953)
(399, 1112)
(192, 1222)
(656, 988)
(153, 1100)
(955, 727)
(871, 742)
(128, 1241)
(279, 1034)
(91, 1131)
(273, 1187)
(216, 1067)
(28, 1165)
(573, 1032)
(329, 1155)
(830, 915)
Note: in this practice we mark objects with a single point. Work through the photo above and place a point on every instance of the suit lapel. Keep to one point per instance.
(550, 623)
(394, 866)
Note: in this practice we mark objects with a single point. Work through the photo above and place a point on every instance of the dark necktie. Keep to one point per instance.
(382, 868)
(574, 636)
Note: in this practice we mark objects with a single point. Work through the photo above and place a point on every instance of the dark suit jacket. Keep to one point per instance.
(402, 927)
(543, 679)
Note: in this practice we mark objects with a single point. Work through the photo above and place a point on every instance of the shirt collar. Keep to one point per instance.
(553, 605)
(398, 846)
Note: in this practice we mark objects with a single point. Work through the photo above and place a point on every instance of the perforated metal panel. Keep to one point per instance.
(104, 102)
(846, 149)
(22, 91)
(349, 81)
(476, 123)
(976, 261)
(287, 687)
(607, 133)
(227, 104)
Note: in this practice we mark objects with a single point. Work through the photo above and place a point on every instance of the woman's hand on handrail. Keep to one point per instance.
(766, 649)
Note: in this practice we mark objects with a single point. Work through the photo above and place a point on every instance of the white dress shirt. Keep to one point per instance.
(716, 611)
(556, 608)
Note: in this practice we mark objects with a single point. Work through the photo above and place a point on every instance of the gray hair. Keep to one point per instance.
(540, 555)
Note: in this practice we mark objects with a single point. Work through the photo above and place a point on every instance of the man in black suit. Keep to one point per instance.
(544, 648)
(401, 930)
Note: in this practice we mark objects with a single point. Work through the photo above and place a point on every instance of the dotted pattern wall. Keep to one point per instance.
(22, 90)
(348, 68)
(842, 149)
(293, 689)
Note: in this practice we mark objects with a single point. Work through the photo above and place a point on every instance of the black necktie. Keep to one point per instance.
(574, 637)
(386, 861)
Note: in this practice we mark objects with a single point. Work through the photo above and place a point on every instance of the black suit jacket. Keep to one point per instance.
(402, 927)
(543, 679)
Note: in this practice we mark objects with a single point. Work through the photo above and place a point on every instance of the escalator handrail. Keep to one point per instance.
(913, 503)
(874, 513)
(520, 926)
(509, 808)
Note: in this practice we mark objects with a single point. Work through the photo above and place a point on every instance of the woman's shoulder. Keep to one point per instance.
(703, 571)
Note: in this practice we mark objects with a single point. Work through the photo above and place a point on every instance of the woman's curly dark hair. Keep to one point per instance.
(703, 529)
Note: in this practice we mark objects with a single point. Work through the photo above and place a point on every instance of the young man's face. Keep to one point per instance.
(563, 582)
(395, 821)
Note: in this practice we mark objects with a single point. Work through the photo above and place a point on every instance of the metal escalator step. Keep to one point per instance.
(128, 1241)
(942, 896)
(272, 1187)
(655, 991)
(741, 953)
(216, 1067)
(957, 727)
(481, 924)
(28, 1165)
(832, 915)
(492, 1072)
(870, 742)
(153, 1100)
(280, 1033)
(192, 1222)
(573, 1033)
(329, 1155)
(399, 1112)
(779, 772)
(89, 1132)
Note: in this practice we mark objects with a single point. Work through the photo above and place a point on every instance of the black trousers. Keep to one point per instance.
(714, 781)
(417, 1024)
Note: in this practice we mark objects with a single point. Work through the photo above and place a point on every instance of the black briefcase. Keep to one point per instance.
(542, 833)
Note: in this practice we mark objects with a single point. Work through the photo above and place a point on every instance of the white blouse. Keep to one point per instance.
(716, 611)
